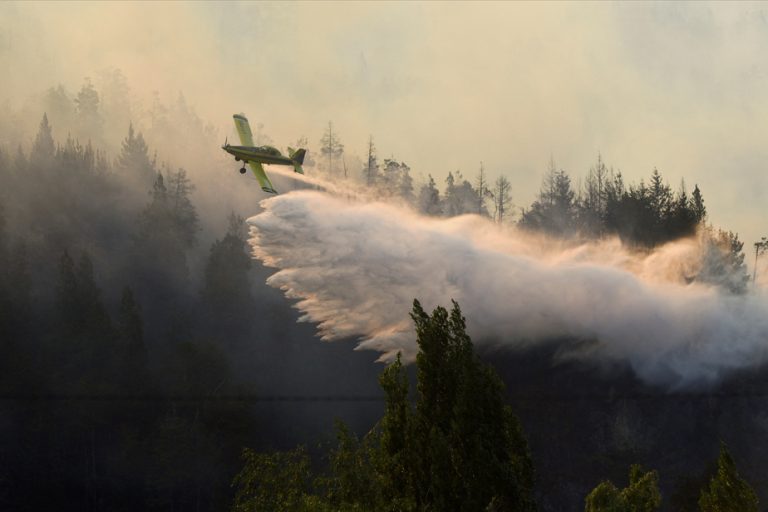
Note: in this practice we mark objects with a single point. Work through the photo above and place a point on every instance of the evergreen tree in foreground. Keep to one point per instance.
(727, 491)
(459, 447)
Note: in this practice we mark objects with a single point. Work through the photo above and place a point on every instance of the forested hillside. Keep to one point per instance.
(142, 351)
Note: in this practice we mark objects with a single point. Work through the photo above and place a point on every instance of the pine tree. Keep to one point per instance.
(182, 210)
(697, 205)
(727, 491)
(660, 197)
(451, 201)
(429, 198)
(134, 156)
(227, 287)
(87, 109)
(161, 244)
(43, 149)
(83, 318)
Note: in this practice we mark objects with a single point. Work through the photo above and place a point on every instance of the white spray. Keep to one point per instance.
(355, 269)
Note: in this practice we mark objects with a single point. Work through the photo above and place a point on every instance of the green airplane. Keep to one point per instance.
(255, 156)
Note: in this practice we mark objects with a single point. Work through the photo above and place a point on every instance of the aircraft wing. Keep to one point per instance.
(261, 177)
(244, 130)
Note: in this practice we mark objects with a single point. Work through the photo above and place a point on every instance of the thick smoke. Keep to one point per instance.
(356, 267)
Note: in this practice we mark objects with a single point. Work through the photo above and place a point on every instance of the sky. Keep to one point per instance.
(682, 87)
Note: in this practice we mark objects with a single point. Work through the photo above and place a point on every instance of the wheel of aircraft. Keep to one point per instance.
(242, 170)
(237, 159)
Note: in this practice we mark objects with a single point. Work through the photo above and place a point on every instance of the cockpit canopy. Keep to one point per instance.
(269, 150)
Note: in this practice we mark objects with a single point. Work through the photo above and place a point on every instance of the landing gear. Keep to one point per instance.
(242, 170)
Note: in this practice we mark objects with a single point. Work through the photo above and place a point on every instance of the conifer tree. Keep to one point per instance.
(227, 287)
(697, 205)
(429, 198)
(727, 491)
(43, 149)
(182, 210)
(134, 156)
(451, 200)
(160, 246)
(87, 109)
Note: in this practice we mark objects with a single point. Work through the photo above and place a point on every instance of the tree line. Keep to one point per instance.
(103, 321)
(642, 215)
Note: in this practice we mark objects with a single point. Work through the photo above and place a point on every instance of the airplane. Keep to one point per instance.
(255, 156)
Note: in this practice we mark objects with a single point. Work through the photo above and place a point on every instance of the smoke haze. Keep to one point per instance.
(681, 86)
(355, 269)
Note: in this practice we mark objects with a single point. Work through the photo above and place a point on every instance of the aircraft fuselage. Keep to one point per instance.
(260, 154)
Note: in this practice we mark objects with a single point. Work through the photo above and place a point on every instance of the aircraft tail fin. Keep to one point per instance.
(297, 157)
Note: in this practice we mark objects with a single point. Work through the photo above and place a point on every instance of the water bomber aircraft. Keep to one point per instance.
(256, 156)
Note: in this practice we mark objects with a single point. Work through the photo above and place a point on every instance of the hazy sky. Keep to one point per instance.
(679, 86)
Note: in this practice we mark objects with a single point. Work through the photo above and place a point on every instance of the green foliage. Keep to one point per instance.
(279, 482)
(470, 448)
(642, 215)
(727, 491)
(458, 448)
(641, 495)
(354, 470)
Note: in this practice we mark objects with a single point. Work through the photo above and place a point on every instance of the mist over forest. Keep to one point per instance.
(150, 308)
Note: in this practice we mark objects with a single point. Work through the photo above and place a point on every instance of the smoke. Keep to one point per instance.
(356, 267)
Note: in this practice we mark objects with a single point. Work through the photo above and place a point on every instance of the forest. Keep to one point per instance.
(148, 367)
